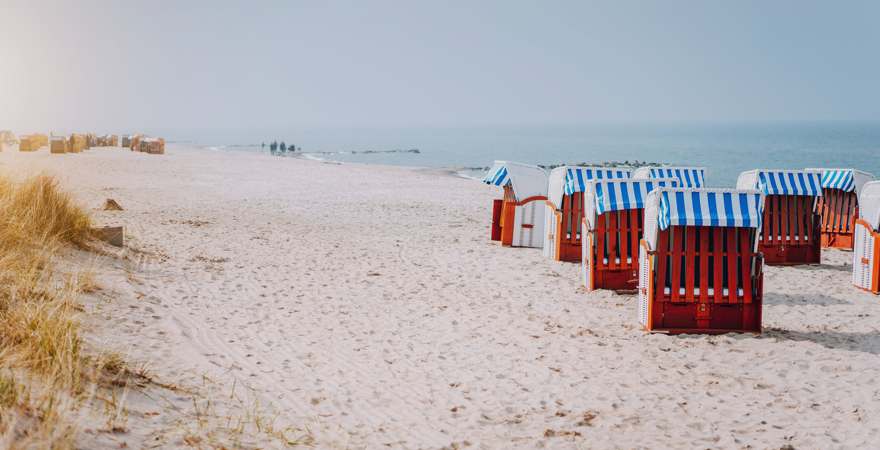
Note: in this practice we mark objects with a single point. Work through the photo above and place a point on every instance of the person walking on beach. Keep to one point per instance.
(283, 148)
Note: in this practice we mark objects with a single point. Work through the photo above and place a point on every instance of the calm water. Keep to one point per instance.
(725, 150)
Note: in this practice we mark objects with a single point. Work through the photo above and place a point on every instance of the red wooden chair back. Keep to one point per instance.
(790, 233)
(706, 279)
(617, 237)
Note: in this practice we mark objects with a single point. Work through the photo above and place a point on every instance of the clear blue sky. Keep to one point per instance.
(245, 65)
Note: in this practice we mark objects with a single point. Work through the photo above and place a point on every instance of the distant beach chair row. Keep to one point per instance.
(694, 254)
(76, 143)
(144, 144)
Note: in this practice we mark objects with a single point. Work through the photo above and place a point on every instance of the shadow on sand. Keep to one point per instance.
(857, 342)
(775, 299)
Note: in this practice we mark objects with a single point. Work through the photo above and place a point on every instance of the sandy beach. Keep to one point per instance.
(367, 305)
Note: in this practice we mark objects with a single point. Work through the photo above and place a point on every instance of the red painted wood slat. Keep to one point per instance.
(690, 272)
(731, 264)
(717, 259)
(676, 254)
(704, 264)
(745, 257)
(612, 239)
(600, 240)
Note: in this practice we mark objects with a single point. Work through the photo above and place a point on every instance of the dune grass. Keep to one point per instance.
(42, 366)
(46, 376)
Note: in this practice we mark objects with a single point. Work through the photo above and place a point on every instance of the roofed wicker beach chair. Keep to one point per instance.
(838, 207)
(565, 208)
(58, 145)
(612, 228)
(691, 177)
(699, 269)
(28, 144)
(518, 217)
(866, 248)
(790, 233)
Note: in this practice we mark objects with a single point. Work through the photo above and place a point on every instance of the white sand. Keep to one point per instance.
(368, 304)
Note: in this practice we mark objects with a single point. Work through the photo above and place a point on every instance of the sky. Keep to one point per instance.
(220, 65)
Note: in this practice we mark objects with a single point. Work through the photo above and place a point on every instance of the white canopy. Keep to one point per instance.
(525, 179)
(869, 204)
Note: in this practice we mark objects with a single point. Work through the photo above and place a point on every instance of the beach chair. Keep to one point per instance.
(838, 207)
(76, 143)
(518, 217)
(565, 208)
(58, 144)
(41, 140)
(699, 271)
(790, 233)
(866, 248)
(27, 144)
(612, 229)
(690, 177)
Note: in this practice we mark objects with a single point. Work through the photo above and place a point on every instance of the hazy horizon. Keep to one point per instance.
(230, 66)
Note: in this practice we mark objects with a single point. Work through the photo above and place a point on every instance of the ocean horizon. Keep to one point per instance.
(724, 149)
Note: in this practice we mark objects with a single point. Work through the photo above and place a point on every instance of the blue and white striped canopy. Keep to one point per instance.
(692, 177)
(497, 176)
(843, 179)
(710, 207)
(789, 182)
(618, 195)
(576, 178)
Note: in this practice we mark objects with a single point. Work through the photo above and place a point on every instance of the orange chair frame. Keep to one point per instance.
(839, 211)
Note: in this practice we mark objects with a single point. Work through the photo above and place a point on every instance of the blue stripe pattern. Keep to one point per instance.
(705, 208)
(842, 179)
(618, 195)
(497, 176)
(576, 178)
(692, 177)
(789, 182)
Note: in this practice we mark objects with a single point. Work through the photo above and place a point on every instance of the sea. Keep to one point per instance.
(725, 149)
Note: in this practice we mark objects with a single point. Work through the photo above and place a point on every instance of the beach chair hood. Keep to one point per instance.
(869, 204)
(567, 180)
(691, 177)
(601, 196)
(666, 207)
(525, 180)
(781, 182)
(847, 180)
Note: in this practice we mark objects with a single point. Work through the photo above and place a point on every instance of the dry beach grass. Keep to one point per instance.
(40, 340)
(50, 381)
